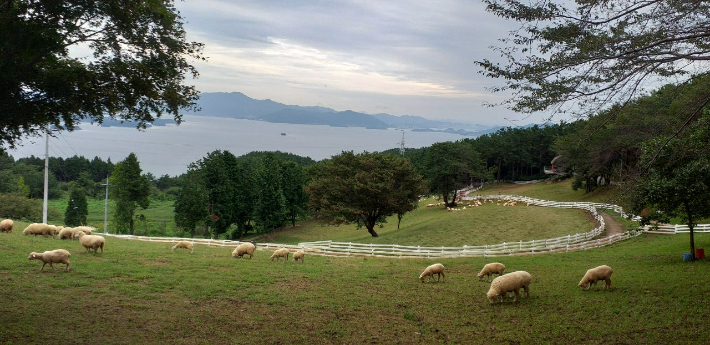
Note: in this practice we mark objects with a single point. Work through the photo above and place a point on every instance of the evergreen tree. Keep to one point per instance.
(270, 210)
(77, 209)
(130, 190)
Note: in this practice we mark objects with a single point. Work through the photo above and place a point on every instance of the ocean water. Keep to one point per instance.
(170, 149)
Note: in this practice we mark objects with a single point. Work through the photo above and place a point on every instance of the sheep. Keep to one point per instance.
(509, 282)
(602, 272)
(35, 229)
(7, 225)
(52, 256)
(53, 230)
(86, 229)
(91, 242)
(183, 244)
(283, 252)
(67, 233)
(490, 269)
(437, 269)
(298, 255)
(244, 248)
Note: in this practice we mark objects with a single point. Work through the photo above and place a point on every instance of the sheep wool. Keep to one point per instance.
(509, 282)
(242, 249)
(7, 225)
(52, 256)
(279, 253)
(299, 255)
(430, 271)
(490, 269)
(67, 233)
(35, 229)
(86, 229)
(91, 242)
(602, 272)
(183, 244)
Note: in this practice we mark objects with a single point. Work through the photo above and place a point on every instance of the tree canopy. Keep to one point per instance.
(363, 189)
(452, 166)
(130, 189)
(135, 69)
(592, 53)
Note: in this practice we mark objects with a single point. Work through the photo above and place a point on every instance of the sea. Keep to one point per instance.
(169, 149)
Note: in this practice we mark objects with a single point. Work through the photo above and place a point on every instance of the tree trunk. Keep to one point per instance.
(372, 232)
(131, 225)
(692, 237)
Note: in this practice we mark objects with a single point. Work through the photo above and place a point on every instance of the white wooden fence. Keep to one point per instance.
(576, 242)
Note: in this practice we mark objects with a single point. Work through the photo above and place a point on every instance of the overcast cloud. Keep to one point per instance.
(399, 57)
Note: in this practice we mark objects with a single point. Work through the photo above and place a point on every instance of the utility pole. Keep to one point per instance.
(106, 206)
(401, 145)
(46, 177)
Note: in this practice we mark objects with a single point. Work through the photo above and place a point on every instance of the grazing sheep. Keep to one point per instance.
(53, 230)
(7, 225)
(298, 255)
(244, 248)
(91, 242)
(183, 244)
(67, 233)
(86, 229)
(593, 275)
(437, 269)
(490, 269)
(35, 229)
(279, 253)
(52, 256)
(507, 283)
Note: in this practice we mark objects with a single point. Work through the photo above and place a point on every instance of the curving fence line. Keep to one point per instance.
(576, 242)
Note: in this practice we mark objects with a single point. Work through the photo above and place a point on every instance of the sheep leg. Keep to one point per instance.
(517, 295)
(42, 269)
(67, 270)
(608, 283)
(443, 277)
(527, 291)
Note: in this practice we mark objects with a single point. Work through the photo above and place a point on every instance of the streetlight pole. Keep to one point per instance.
(106, 207)
(46, 178)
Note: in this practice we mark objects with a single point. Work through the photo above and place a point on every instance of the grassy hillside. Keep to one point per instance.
(141, 292)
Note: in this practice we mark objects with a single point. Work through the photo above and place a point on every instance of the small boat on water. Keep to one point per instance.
(283, 134)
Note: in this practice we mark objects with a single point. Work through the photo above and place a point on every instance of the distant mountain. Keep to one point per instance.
(239, 106)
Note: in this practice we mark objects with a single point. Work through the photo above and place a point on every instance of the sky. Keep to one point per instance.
(396, 57)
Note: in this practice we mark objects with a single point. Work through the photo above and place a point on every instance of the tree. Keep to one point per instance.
(677, 184)
(191, 204)
(130, 190)
(450, 167)
(597, 52)
(270, 208)
(136, 71)
(77, 208)
(363, 189)
(294, 179)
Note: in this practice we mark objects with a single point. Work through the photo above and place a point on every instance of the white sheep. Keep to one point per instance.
(52, 256)
(7, 225)
(279, 253)
(244, 248)
(490, 269)
(91, 242)
(299, 255)
(86, 229)
(67, 233)
(602, 272)
(437, 269)
(35, 229)
(509, 282)
(183, 244)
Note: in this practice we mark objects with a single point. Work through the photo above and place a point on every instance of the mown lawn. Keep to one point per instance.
(140, 292)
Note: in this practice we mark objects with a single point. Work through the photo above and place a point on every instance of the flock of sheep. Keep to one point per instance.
(513, 282)
(500, 286)
(479, 202)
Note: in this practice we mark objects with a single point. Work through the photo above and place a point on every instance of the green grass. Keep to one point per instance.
(141, 292)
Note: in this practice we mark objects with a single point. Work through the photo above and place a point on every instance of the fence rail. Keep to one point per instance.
(576, 242)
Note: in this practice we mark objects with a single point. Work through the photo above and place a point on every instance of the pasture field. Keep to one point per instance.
(141, 292)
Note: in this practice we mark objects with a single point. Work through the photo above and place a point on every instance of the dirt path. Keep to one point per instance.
(612, 226)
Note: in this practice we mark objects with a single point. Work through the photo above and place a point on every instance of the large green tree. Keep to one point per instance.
(270, 208)
(294, 179)
(676, 182)
(77, 208)
(191, 203)
(363, 189)
(135, 71)
(130, 190)
(451, 166)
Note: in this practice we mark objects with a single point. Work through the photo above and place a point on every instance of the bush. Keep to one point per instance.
(21, 208)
